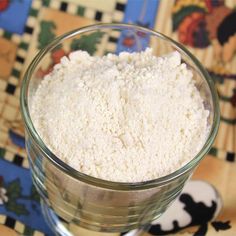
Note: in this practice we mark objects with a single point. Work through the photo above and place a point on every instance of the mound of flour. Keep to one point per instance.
(127, 118)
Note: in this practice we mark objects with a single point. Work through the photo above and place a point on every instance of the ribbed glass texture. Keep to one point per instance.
(92, 203)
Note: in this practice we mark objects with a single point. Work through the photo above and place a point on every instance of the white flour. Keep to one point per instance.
(126, 118)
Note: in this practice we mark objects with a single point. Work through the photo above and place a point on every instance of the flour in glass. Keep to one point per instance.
(130, 117)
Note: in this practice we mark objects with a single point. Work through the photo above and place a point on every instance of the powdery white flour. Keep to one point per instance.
(127, 118)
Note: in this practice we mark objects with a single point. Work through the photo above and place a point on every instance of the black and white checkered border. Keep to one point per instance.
(10, 152)
(112, 41)
(90, 13)
(222, 154)
(108, 43)
(18, 226)
(22, 41)
(13, 157)
(116, 15)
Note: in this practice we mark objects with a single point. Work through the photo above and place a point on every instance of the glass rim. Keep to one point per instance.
(101, 182)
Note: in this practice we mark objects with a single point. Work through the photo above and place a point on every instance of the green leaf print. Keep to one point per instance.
(87, 42)
(18, 209)
(46, 34)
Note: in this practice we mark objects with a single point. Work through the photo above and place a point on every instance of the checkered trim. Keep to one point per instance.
(10, 91)
(112, 41)
(18, 226)
(223, 155)
(116, 15)
(90, 13)
(16, 157)
(23, 43)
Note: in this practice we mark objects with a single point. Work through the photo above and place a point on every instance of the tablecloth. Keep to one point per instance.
(206, 27)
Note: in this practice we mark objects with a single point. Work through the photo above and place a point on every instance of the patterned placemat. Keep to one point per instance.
(206, 29)
(26, 26)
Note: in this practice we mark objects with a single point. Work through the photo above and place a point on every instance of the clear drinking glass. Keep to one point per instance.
(71, 199)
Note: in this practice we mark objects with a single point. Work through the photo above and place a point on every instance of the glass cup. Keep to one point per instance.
(71, 199)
